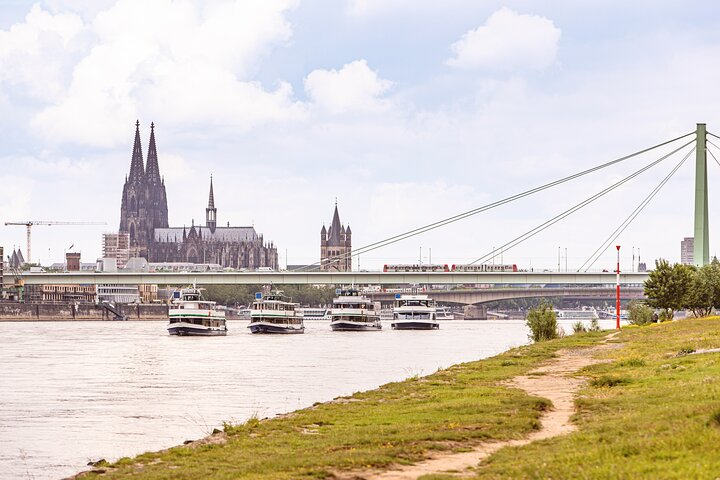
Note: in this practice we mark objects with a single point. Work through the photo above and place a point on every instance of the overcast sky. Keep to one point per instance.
(406, 111)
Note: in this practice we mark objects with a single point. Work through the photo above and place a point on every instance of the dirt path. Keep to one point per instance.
(552, 381)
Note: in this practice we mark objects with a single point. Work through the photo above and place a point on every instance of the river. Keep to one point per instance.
(78, 391)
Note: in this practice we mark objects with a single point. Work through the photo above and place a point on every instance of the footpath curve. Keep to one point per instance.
(556, 381)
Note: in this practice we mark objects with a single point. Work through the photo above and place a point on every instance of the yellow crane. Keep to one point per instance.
(29, 223)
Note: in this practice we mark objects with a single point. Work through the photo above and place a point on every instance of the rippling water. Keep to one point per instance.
(73, 392)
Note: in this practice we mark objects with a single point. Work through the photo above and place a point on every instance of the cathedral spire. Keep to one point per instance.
(137, 169)
(153, 169)
(211, 211)
(211, 200)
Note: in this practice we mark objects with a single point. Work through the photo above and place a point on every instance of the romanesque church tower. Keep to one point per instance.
(336, 246)
(144, 201)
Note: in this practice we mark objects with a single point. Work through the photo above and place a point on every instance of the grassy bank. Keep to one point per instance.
(654, 411)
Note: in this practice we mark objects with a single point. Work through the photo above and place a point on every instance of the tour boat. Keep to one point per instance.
(310, 313)
(577, 314)
(354, 312)
(275, 313)
(414, 312)
(191, 315)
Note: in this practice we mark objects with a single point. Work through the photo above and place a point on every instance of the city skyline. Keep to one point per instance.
(412, 113)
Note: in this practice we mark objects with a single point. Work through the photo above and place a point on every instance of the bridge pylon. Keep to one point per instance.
(701, 250)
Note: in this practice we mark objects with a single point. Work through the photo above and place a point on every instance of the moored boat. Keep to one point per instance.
(414, 312)
(275, 313)
(190, 315)
(354, 312)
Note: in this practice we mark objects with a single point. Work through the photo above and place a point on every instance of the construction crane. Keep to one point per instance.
(29, 223)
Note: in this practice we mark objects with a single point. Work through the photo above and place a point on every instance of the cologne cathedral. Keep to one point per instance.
(144, 217)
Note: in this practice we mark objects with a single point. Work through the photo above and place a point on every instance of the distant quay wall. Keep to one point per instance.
(18, 312)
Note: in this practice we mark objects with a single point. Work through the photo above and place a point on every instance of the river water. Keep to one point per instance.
(71, 392)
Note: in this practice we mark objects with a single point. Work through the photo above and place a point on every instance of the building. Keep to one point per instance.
(60, 293)
(117, 246)
(687, 251)
(16, 260)
(118, 293)
(144, 218)
(336, 246)
(72, 262)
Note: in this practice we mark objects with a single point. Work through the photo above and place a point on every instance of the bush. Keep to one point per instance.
(542, 322)
(594, 325)
(640, 314)
(579, 327)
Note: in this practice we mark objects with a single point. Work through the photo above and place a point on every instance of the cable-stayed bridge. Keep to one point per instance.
(681, 147)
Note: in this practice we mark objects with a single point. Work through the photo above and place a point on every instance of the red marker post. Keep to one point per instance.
(617, 290)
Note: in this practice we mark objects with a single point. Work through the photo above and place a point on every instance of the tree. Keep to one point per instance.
(699, 296)
(542, 322)
(667, 286)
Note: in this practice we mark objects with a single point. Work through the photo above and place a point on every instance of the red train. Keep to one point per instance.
(484, 267)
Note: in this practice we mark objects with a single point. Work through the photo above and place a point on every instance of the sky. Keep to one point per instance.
(405, 112)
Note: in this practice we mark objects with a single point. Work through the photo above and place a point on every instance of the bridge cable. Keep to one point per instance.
(710, 151)
(626, 223)
(539, 228)
(446, 221)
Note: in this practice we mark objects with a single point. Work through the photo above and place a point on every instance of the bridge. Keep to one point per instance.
(477, 296)
(582, 279)
(568, 282)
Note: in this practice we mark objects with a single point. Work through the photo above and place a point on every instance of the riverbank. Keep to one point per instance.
(29, 312)
(650, 410)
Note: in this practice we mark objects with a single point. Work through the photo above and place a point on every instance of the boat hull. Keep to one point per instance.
(355, 327)
(269, 328)
(415, 326)
(195, 330)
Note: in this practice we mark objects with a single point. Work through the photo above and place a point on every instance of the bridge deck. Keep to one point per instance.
(342, 278)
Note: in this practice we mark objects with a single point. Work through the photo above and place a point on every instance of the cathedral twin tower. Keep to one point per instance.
(144, 217)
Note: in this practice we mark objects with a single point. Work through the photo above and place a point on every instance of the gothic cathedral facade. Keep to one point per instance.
(144, 216)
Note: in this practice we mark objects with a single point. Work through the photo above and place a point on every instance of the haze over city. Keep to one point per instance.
(290, 105)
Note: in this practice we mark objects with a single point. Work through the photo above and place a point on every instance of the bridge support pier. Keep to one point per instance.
(475, 312)
(701, 250)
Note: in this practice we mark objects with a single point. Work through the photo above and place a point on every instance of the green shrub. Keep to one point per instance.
(594, 325)
(579, 327)
(542, 322)
(640, 314)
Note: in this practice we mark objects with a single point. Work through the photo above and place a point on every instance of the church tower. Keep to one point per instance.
(144, 202)
(211, 211)
(336, 246)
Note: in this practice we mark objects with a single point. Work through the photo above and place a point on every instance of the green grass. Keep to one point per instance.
(653, 412)
(398, 423)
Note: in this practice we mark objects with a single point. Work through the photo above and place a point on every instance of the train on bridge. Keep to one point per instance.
(429, 267)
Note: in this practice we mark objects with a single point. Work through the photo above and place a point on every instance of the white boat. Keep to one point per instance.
(444, 313)
(577, 314)
(275, 313)
(312, 313)
(414, 312)
(191, 315)
(354, 312)
(386, 315)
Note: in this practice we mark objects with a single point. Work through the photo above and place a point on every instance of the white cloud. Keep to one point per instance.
(172, 60)
(34, 53)
(355, 87)
(508, 41)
